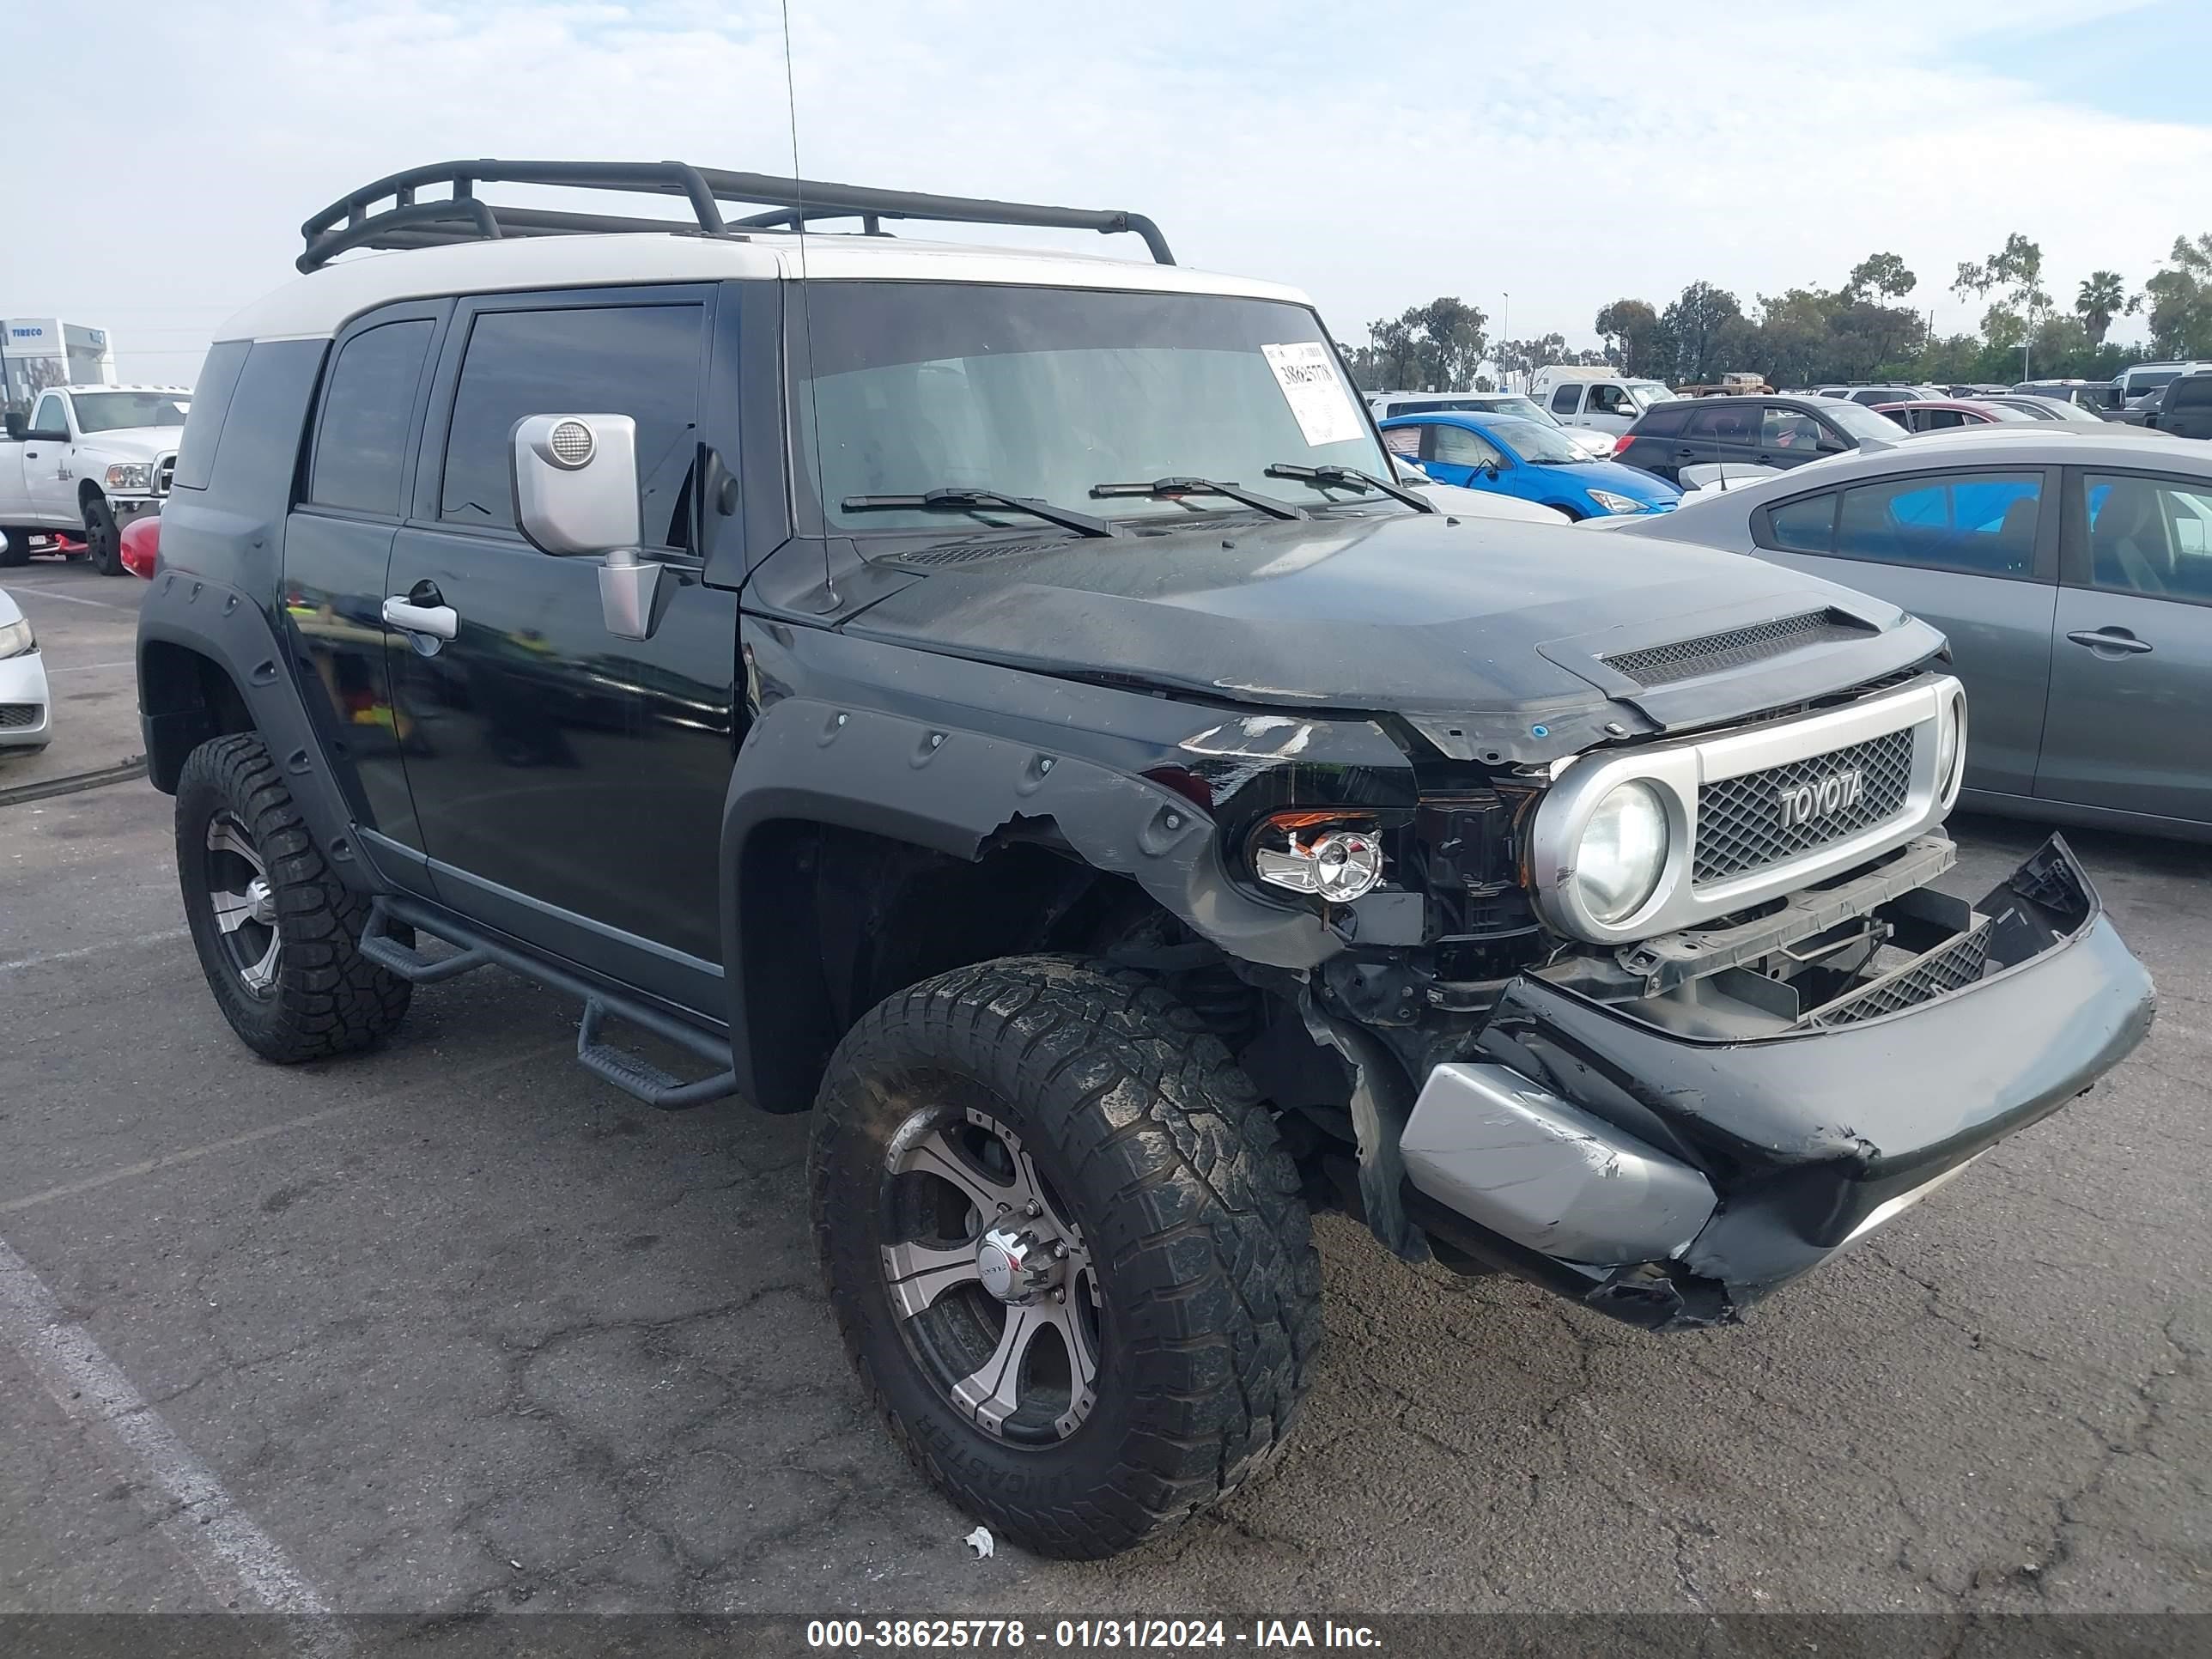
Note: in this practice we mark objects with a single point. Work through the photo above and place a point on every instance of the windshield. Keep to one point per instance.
(2073, 412)
(1520, 409)
(112, 411)
(1542, 445)
(1045, 392)
(1860, 423)
(1648, 392)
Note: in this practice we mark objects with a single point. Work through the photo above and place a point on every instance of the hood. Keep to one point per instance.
(1620, 478)
(1484, 633)
(137, 443)
(1455, 499)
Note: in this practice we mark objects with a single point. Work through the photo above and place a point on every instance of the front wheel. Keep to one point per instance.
(103, 542)
(1067, 1250)
(278, 935)
(18, 550)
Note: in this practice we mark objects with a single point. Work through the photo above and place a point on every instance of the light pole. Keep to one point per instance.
(1505, 333)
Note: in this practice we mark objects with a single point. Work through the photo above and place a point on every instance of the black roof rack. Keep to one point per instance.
(354, 221)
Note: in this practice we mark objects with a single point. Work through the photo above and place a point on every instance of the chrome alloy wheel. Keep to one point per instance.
(244, 905)
(993, 1284)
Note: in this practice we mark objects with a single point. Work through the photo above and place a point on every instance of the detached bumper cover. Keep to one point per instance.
(1577, 1154)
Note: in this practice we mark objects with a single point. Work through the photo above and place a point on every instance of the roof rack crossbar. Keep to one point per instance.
(354, 221)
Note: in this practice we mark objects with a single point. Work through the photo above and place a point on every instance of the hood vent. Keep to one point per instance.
(1715, 653)
(967, 552)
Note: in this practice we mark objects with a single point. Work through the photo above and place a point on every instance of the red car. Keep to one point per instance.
(142, 542)
(1939, 414)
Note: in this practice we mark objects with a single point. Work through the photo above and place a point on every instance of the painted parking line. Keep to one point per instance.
(40, 959)
(67, 599)
(191, 1154)
(225, 1549)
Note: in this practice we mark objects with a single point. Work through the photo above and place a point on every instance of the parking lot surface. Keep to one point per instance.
(454, 1327)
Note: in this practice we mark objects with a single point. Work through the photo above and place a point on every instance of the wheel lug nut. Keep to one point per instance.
(1060, 1296)
(1060, 1250)
(1033, 1208)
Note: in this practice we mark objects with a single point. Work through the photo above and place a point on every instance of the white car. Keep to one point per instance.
(27, 716)
(1603, 399)
(88, 459)
(1389, 405)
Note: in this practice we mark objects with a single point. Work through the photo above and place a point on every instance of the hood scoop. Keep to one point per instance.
(931, 558)
(1736, 647)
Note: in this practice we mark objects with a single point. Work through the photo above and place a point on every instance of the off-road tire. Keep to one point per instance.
(326, 999)
(103, 541)
(1209, 1287)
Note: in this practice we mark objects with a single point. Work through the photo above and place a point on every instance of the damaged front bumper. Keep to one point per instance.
(1669, 1176)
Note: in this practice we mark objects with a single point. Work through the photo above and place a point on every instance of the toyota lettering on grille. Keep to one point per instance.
(1818, 798)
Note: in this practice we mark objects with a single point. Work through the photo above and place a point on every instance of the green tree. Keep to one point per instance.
(2101, 297)
(1450, 341)
(2180, 300)
(1626, 326)
(1687, 345)
(1882, 275)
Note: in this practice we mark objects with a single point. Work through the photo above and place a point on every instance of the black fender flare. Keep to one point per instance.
(230, 629)
(950, 790)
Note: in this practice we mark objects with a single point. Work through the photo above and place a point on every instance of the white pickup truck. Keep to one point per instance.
(88, 459)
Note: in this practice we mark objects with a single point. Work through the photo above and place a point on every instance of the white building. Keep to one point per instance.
(36, 352)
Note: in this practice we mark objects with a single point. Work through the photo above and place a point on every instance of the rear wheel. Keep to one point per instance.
(278, 934)
(103, 542)
(1066, 1248)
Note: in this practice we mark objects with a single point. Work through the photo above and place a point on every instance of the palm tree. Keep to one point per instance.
(2103, 296)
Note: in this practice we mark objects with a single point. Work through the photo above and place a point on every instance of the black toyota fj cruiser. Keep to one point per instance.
(1004, 703)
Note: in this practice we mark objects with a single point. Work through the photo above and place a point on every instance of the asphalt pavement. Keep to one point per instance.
(455, 1328)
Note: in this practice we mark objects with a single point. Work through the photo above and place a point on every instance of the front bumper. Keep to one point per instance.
(26, 709)
(127, 508)
(1669, 1181)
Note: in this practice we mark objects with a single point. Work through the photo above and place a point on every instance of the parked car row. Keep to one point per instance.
(2070, 568)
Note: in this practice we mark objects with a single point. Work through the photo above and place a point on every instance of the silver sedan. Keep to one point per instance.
(2071, 568)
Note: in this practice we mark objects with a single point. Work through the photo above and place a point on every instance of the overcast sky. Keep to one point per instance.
(1376, 154)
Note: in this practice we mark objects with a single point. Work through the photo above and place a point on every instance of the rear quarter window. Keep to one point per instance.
(212, 397)
(1664, 422)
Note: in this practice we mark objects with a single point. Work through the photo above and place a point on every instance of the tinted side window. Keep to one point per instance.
(1564, 400)
(1980, 523)
(640, 361)
(1721, 423)
(1457, 446)
(362, 446)
(1663, 421)
(1802, 526)
(2150, 537)
(210, 404)
(50, 415)
(1789, 428)
(2195, 392)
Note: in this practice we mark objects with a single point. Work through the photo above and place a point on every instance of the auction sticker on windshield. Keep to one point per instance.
(1314, 390)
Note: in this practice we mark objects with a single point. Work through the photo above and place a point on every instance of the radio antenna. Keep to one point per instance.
(806, 310)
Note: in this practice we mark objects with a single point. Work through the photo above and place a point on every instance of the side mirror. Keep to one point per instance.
(575, 493)
(17, 426)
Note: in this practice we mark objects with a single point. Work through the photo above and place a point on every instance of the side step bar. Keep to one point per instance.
(626, 1072)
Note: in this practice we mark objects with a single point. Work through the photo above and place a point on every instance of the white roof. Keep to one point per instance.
(319, 304)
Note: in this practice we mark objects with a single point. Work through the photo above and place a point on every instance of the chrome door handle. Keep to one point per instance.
(2109, 638)
(440, 621)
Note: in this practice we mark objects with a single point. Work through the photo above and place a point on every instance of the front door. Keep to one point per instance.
(48, 470)
(569, 784)
(2131, 665)
(1458, 455)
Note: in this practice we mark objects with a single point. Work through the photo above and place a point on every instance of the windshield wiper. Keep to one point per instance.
(1230, 488)
(962, 499)
(1350, 478)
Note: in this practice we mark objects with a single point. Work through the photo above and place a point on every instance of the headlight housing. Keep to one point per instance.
(1951, 747)
(131, 474)
(1622, 854)
(1332, 858)
(16, 638)
(1616, 503)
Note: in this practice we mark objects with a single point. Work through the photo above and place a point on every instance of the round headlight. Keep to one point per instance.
(1950, 743)
(1623, 853)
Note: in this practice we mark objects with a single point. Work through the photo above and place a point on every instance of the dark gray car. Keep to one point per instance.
(2071, 568)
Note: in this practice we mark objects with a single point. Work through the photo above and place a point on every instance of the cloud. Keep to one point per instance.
(1376, 154)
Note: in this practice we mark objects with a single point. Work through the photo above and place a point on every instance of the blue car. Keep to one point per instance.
(1510, 456)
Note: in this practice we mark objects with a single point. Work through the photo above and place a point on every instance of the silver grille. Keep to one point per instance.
(18, 716)
(1742, 825)
(1712, 653)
